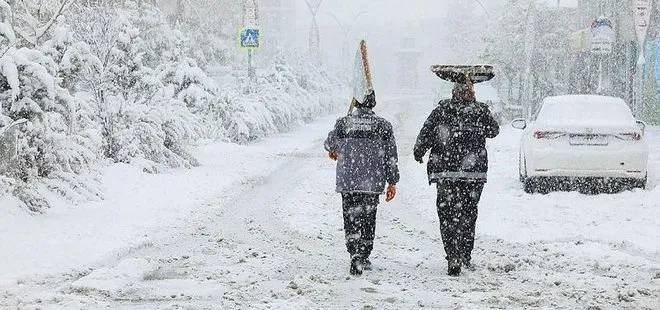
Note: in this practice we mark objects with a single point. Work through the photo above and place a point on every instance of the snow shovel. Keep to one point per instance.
(362, 79)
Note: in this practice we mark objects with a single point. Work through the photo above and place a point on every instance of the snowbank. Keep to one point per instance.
(137, 206)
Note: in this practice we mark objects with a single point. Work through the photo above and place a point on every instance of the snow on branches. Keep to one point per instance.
(123, 84)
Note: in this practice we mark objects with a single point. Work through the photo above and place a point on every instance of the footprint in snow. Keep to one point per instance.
(369, 290)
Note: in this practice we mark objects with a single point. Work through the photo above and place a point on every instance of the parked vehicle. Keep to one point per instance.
(582, 139)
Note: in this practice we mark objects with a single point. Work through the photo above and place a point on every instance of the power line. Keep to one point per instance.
(482, 6)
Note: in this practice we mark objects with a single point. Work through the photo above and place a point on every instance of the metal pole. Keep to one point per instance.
(640, 111)
(600, 77)
(251, 18)
(529, 49)
(252, 74)
(250, 68)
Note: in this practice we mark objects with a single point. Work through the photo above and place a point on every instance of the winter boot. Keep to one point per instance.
(366, 264)
(356, 266)
(454, 268)
(467, 263)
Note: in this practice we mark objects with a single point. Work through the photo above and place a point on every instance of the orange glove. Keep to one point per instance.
(333, 155)
(391, 193)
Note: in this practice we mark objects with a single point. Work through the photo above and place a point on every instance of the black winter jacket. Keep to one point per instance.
(456, 133)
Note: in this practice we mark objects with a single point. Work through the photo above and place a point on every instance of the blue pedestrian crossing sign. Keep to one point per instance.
(249, 38)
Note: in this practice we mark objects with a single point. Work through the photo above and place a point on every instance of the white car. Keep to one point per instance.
(580, 139)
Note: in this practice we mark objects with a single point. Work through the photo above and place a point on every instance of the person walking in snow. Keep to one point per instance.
(456, 133)
(364, 147)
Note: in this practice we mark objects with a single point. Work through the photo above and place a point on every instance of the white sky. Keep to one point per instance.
(383, 25)
(564, 3)
(390, 10)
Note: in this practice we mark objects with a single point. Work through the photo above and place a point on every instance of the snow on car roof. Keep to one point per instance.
(585, 110)
(583, 99)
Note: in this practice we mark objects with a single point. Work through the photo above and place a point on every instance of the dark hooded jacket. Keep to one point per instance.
(456, 133)
(367, 152)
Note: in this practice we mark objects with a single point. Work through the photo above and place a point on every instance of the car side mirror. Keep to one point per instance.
(642, 126)
(519, 124)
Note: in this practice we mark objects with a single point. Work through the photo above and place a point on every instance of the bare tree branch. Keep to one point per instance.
(65, 4)
(39, 32)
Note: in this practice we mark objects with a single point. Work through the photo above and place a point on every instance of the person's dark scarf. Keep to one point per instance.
(369, 101)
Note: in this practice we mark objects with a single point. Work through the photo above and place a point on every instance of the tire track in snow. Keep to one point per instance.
(276, 242)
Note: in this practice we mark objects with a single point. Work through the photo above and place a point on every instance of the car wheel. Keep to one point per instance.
(520, 168)
(530, 186)
(641, 183)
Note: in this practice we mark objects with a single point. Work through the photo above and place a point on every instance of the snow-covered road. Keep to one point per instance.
(274, 240)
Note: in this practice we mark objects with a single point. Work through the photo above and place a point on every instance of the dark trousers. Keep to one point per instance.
(458, 209)
(360, 222)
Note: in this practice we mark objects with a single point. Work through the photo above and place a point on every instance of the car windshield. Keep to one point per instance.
(585, 111)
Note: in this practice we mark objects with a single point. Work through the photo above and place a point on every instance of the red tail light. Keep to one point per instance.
(630, 136)
(548, 134)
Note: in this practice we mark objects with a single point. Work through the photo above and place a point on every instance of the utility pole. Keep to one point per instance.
(346, 29)
(314, 33)
(529, 51)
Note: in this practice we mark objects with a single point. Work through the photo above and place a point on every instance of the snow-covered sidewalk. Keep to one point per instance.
(138, 207)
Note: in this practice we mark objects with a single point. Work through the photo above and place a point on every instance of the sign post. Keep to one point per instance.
(602, 41)
(642, 16)
(602, 37)
(250, 40)
(642, 11)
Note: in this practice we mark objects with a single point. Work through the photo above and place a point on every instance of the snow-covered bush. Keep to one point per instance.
(190, 84)
(47, 143)
(126, 83)
(286, 95)
(139, 117)
(75, 59)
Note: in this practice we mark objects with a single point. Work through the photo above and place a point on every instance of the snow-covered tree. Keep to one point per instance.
(89, 80)
(33, 19)
(46, 146)
(528, 44)
(289, 93)
(131, 103)
(74, 57)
